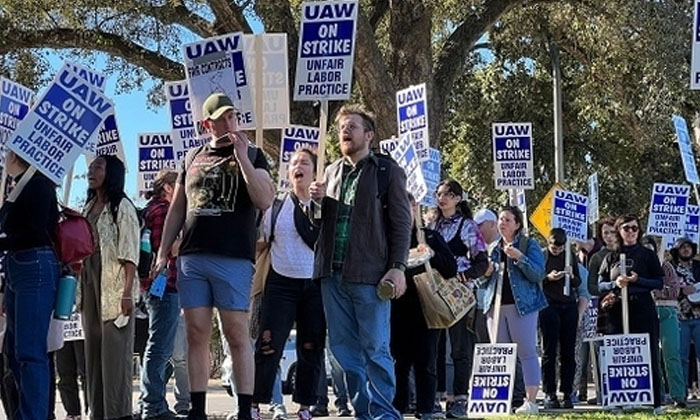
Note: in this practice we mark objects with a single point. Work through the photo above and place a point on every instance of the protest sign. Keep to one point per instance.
(73, 328)
(294, 138)
(388, 146)
(155, 153)
(184, 134)
(626, 370)
(15, 101)
(668, 208)
(405, 155)
(521, 202)
(512, 156)
(412, 117)
(570, 212)
(691, 171)
(431, 174)
(593, 211)
(217, 65)
(109, 141)
(67, 116)
(692, 227)
(695, 49)
(492, 380)
(326, 51)
(590, 321)
(275, 78)
(99, 81)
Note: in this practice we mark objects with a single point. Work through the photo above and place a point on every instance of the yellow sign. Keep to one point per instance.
(541, 218)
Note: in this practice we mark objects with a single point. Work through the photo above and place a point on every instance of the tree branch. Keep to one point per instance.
(156, 64)
(229, 18)
(175, 12)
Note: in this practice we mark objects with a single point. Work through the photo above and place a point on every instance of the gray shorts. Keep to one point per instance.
(208, 280)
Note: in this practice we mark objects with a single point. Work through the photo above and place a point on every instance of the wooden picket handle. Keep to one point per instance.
(320, 166)
(625, 297)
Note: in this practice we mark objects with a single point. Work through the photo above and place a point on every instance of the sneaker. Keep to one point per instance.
(457, 410)
(255, 413)
(279, 412)
(567, 402)
(528, 408)
(592, 401)
(678, 403)
(551, 402)
(344, 411)
(658, 411)
(318, 411)
(437, 408)
(304, 415)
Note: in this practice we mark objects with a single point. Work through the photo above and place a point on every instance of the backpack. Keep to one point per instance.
(383, 176)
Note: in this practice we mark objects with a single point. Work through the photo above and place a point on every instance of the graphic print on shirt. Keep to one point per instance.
(212, 185)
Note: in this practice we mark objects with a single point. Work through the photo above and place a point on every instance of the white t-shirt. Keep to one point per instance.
(290, 255)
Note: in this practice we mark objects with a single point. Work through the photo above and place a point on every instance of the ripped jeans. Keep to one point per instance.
(285, 301)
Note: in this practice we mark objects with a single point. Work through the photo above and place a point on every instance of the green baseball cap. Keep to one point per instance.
(215, 106)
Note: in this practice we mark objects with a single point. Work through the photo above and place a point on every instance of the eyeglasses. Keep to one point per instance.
(633, 228)
(349, 127)
(447, 194)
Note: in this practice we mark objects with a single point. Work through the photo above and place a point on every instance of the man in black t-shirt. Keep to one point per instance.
(220, 187)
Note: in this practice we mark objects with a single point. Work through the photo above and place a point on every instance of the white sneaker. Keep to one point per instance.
(279, 412)
(528, 408)
(658, 411)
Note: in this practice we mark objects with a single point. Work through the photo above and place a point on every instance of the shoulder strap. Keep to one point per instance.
(275, 209)
(383, 176)
(28, 174)
(252, 153)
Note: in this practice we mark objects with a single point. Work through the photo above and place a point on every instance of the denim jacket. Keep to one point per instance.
(525, 277)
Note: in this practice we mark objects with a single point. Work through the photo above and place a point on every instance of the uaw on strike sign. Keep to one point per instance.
(512, 156)
(66, 117)
(626, 375)
(492, 380)
(668, 209)
(326, 51)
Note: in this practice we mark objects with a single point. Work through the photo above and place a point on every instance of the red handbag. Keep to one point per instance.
(75, 239)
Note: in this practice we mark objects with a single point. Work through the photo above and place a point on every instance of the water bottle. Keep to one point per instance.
(146, 241)
(65, 296)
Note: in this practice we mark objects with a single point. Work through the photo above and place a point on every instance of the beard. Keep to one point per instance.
(685, 258)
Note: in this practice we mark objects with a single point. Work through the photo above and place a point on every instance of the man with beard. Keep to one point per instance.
(360, 259)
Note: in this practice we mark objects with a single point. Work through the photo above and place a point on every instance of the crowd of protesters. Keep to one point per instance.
(329, 258)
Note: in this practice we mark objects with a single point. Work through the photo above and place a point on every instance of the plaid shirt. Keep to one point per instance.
(154, 219)
(348, 190)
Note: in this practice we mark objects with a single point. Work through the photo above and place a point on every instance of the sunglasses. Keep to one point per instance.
(633, 228)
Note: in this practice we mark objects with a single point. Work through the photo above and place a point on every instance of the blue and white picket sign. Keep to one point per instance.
(570, 212)
(405, 155)
(217, 65)
(184, 134)
(412, 117)
(695, 49)
(15, 100)
(626, 370)
(593, 188)
(492, 380)
(67, 116)
(326, 50)
(668, 208)
(512, 156)
(431, 173)
(294, 138)
(275, 77)
(109, 141)
(590, 322)
(521, 202)
(388, 146)
(692, 227)
(155, 153)
(691, 170)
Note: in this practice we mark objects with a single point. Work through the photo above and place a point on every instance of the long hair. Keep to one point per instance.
(624, 220)
(456, 189)
(113, 184)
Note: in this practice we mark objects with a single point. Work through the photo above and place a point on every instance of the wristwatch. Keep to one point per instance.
(399, 266)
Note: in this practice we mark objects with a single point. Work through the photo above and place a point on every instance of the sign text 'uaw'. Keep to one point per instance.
(155, 153)
(294, 138)
(412, 118)
(492, 380)
(570, 212)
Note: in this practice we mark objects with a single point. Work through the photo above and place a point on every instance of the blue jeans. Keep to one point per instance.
(358, 332)
(162, 325)
(32, 277)
(690, 331)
